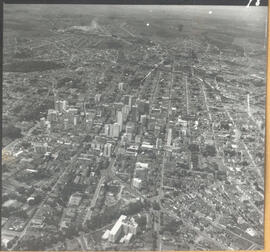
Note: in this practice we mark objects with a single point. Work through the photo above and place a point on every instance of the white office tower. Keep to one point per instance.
(57, 105)
(111, 130)
(121, 86)
(138, 139)
(63, 105)
(128, 100)
(259, 124)
(65, 123)
(107, 150)
(75, 120)
(87, 116)
(116, 230)
(107, 130)
(129, 136)
(158, 143)
(125, 112)
(90, 115)
(88, 124)
(52, 115)
(97, 98)
(124, 228)
(144, 120)
(48, 127)
(124, 139)
(141, 165)
(248, 105)
(169, 137)
(41, 147)
(55, 99)
(120, 119)
(72, 111)
(42, 122)
(131, 98)
(116, 130)
(130, 127)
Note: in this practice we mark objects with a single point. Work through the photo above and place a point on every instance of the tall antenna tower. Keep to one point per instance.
(248, 105)
(55, 92)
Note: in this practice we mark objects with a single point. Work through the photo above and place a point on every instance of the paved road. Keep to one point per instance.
(97, 191)
(161, 193)
(127, 31)
(246, 148)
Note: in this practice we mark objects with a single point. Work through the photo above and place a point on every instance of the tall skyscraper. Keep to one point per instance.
(63, 105)
(125, 112)
(107, 150)
(134, 113)
(90, 115)
(97, 98)
(71, 112)
(65, 123)
(55, 97)
(129, 100)
(132, 101)
(130, 128)
(158, 143)
(121, 86)
(120, 119)
(88, 124)
(116, 130)
(144, 120)
(52, 115)
(169, 137)
(48, 127)
(57, 105)
(75, 120)
(42, 122)
(107, 130)
(111, 130)
(126, 99)
(124, 139)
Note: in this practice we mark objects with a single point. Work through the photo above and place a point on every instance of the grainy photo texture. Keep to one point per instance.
(133, 127)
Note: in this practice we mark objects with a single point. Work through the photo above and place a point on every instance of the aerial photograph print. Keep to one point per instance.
(133, 127)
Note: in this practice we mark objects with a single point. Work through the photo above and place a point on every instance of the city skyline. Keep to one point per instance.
(133, 127)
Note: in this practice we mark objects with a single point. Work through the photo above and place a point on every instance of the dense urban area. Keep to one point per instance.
(122, 132)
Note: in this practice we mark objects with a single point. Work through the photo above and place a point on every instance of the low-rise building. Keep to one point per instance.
(137, 183)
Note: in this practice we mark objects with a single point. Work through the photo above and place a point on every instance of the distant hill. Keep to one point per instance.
(31, 66)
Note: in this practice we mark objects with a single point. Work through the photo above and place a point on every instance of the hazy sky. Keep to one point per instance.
(149, 10)
(254, 18)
